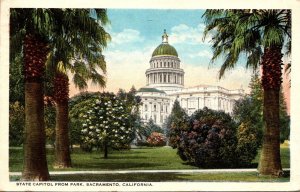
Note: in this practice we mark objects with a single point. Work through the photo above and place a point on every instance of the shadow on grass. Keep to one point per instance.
(115, 166)
(149, 177)
(123, 157)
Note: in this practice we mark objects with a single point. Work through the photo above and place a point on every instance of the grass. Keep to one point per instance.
(166, 177)
(134, 159)
(163, 158)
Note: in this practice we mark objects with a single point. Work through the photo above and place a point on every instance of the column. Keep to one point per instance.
(147, 77)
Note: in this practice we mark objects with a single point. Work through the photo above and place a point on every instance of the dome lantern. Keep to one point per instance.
(165, 37)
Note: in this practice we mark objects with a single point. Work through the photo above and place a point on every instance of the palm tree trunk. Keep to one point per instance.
(35, 163)
(62, 148)
(270, 162)
(61, 96)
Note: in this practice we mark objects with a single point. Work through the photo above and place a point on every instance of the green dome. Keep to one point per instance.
(146, 89)
(165, 49)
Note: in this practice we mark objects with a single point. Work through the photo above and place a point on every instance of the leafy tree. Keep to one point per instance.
(248, 111)
(260, 35)
(132, 105)
(78, 106)
(106, 123)
(249, 140)
(176, 123)
(16, 123)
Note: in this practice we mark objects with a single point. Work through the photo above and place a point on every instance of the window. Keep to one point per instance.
(161, 119)
(154, 107)
(166, 109)
(146, 117)
(154, 118)
(146, 107)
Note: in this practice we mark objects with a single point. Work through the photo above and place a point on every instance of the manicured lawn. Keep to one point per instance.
(165, 177)
(134, 159)
(163, 158)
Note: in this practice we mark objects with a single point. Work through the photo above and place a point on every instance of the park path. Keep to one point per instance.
(147, 171)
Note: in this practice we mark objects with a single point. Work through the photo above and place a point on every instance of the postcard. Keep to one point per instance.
(149, 95)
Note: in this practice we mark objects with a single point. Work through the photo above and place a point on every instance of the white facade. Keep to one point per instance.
(165, 84)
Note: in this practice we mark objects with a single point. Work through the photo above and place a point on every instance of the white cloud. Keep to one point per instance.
(126, 36)
(203, 53)
(125, 69)
(186, 34)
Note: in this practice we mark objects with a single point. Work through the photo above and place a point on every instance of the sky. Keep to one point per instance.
(136, 33)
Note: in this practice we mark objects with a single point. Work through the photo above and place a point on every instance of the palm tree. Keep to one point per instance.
(259, 35)
(29, 29)
(38, 32)
(78, 52)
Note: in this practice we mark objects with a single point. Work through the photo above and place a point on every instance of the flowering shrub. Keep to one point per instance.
(210, 140)
(156, 139)
(106, 123)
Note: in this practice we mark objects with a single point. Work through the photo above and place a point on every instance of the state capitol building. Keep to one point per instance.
(165, 84)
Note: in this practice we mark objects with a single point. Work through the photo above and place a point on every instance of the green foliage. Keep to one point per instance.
(176, 122)
(132, 103)
(16, 123)
(210, 140)
(248, 142)
(149, 128)
(78, 105)
(156, 139)
(50, 117)
(244, 32)
(250, 110)
(144, 132)
(106, 122)
(16, 81)
(284, 119)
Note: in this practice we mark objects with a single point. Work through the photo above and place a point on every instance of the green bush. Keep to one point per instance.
(213, 140)
(16, 123)
(248, 143)
(50, 120)
(176, 122)
(143, 132)
(210, 141)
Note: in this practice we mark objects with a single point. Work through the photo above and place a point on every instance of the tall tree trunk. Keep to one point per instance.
(35, 164)
(62, 143)
(270, 162)
(105, 150)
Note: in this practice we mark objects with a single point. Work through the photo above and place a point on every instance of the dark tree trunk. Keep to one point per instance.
(62, 148)
(270, 162)
(35, 162)
(105, 150)
(62, 143)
